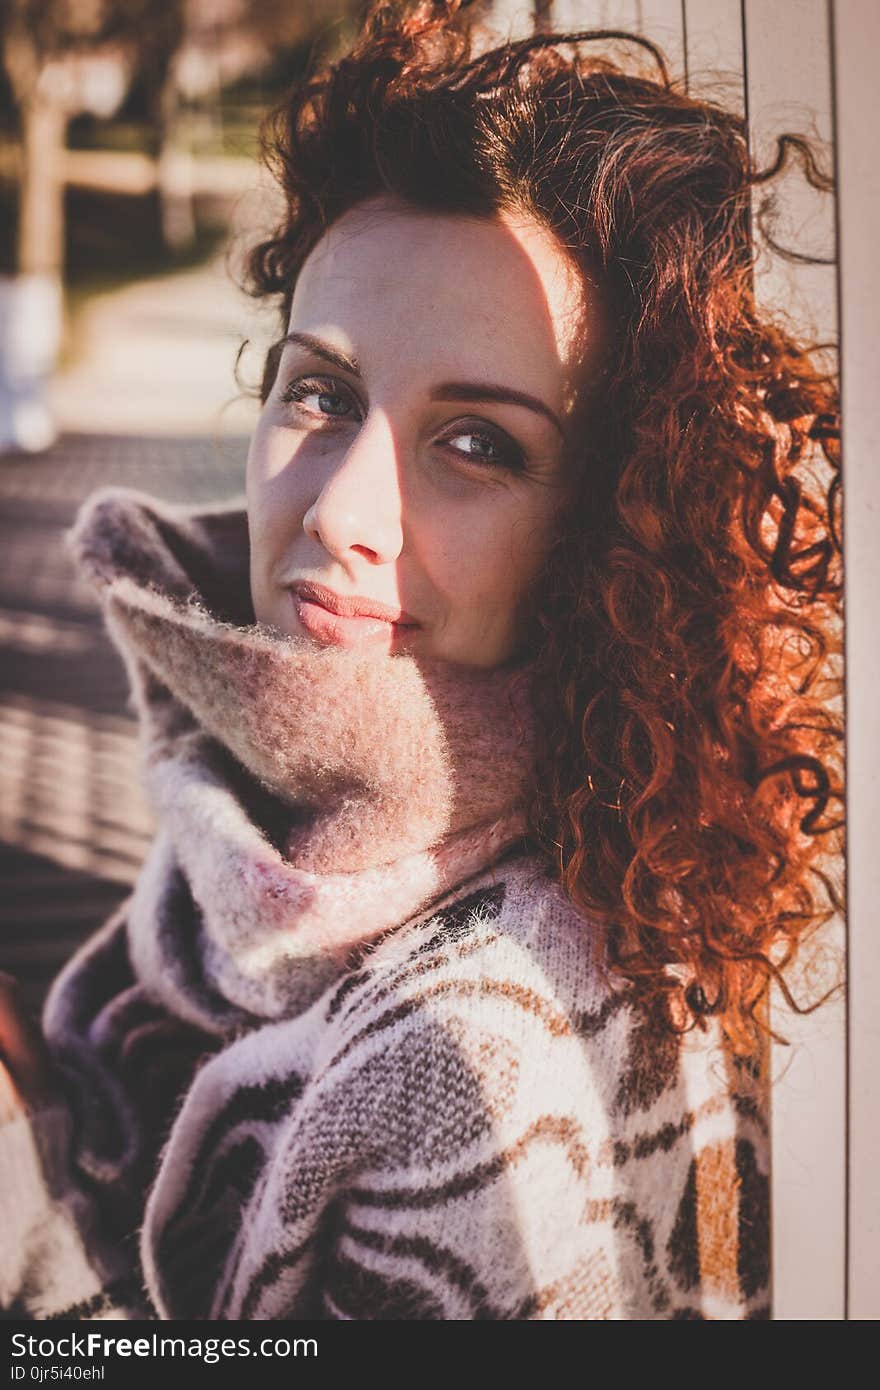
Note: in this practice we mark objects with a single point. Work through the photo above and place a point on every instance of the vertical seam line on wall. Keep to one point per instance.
(745, 67)
(753, 163)
(847, 1083)
(684, 45)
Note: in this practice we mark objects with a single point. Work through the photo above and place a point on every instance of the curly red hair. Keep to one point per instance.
(687, 621)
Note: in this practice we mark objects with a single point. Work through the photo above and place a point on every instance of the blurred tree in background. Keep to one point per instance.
(120, 122)
(82, 62)
(63, 57)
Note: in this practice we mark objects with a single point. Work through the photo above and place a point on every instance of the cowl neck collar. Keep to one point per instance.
(308, 798)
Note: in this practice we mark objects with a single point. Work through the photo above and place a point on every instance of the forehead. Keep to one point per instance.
(453, 291)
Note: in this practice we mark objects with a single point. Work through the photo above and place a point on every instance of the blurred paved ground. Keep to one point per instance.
(157, 358)
(142, 407)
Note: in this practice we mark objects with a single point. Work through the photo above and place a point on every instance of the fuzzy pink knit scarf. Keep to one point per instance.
(308, 798)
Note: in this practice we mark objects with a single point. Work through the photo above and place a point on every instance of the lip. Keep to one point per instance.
(351, 607)
(359, 621)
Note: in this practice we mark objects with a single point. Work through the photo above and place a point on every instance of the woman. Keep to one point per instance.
(488, 750)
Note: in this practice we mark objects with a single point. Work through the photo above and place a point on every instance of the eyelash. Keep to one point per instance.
(511, 457)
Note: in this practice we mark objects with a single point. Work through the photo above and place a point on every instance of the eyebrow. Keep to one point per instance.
(446, 391)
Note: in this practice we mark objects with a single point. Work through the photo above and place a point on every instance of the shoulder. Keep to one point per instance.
(479, 1011)
(501, 1001)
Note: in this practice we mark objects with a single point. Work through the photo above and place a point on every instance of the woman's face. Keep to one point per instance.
(414, 451)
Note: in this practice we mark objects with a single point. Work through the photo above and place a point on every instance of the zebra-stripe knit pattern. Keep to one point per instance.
(472, 1125)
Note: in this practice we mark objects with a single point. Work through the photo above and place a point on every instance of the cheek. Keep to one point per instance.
(485, 559)
(273, 519)
(531, 536)
(276, 499)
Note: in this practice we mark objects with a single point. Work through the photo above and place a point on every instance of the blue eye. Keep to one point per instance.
(505, 454)
(299, 391)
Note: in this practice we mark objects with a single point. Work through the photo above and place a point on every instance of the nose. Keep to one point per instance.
(359, 505)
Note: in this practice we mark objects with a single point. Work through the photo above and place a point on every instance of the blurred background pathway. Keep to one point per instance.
(149, 402)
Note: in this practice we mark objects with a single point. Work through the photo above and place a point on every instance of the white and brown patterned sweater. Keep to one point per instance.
(363, 1086)
(471, 1125)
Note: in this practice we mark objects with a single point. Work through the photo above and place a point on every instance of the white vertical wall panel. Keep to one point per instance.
(788, 89)
(856, 31)
(658, 20)
(713, 31)
(788, 68)
(507, 19)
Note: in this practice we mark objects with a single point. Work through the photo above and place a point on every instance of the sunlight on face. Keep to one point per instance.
(414, 450)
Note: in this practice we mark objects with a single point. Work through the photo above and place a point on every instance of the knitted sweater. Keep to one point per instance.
(348, 1051)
